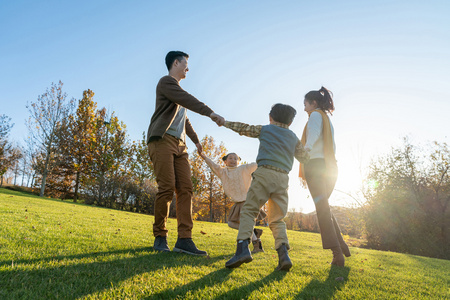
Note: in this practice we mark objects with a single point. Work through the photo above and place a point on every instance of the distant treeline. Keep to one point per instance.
(79, 152)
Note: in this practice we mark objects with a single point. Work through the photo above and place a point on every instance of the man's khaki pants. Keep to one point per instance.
(173, 174)
(267, 185)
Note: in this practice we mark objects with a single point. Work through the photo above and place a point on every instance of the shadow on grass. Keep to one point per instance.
(70, 277)
(217, 278)
(244, 291)
(325, 290)
(212, 279)
(134, 251)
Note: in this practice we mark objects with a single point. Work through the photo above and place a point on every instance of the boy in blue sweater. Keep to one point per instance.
(277, 149)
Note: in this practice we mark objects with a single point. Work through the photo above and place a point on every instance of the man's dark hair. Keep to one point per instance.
(283, 113)
(172, 55)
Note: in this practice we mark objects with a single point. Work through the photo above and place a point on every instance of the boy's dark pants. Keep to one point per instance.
(321, 184)
(173, 174)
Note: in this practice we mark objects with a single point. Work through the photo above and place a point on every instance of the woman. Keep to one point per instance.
(320, 173)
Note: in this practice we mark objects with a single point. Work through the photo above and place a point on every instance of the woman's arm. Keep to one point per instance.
(313, 130)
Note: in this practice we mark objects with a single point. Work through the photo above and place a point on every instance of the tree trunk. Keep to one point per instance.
(44, 175)
(211, 217)
(100, 190)
(225, 207)
(33, 179)
(15, 174)
(23, 174)
(77, 183)
(444, 240)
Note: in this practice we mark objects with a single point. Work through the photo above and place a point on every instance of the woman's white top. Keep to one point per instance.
(235, 180)
(314, 135)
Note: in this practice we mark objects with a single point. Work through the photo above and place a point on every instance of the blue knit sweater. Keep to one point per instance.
(276, 147)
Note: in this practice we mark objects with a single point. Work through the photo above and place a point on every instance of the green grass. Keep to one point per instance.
(52, 249)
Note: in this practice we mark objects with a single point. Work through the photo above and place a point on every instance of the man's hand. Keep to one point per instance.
(220, 121)
(199, 148)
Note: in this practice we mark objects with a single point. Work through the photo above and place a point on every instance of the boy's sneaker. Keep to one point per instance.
(160, 244)
(187, 246)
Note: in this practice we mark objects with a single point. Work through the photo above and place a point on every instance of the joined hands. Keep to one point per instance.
(220, 121)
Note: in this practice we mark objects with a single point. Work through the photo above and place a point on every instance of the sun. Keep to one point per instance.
(349, 179)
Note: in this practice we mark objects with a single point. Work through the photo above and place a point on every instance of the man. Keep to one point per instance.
(166, 139)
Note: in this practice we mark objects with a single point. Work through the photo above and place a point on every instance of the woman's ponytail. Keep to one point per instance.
(323, 98)
(328, 104)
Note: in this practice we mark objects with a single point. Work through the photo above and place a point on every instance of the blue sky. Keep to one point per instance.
(387, 63)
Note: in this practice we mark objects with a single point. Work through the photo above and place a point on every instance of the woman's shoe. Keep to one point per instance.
(345, 249)
(338, 257)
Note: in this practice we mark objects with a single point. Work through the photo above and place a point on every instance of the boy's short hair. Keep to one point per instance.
(283, 113)
(172, 55)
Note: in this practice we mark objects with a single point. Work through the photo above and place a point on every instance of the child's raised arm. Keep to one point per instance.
(244, 129)
(212, 165)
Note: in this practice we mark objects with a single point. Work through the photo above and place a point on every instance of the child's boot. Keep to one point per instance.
(258, 232)
(338, 257)
(284, 262)
(241, 256)
(257, 246)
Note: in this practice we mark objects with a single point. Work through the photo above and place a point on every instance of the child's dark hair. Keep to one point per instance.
(323, 98)
(283, 113)
(172, 55)
(226, 156)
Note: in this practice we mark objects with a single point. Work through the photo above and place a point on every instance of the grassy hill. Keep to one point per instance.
(52, 249)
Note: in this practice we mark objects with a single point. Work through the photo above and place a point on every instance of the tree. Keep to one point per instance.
(27, 162)
(110, 148)
(141, 167)
(5, 147)
(408, 196)
(208, 193)
(46, 115)
(60, 180)
(9, 154)
(80, 148)
(438, 198)
(140, 177)
(18, 154)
